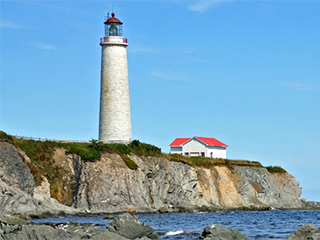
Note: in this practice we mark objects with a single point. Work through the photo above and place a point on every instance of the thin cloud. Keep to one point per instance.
(10, 25)
(139, 50)
(44, 46)
(201, 6)
(299, 85)
(198, 60)
(170, 76)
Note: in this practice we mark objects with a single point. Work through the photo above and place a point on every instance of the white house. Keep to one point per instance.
(199, 146)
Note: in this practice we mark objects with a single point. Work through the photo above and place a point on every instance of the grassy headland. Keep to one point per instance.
(62, 183)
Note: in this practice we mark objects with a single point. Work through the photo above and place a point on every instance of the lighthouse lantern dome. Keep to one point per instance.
(113, 26)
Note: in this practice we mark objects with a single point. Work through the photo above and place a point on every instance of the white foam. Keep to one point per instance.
(172, 233)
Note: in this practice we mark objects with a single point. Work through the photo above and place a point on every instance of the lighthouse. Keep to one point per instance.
(115, 116)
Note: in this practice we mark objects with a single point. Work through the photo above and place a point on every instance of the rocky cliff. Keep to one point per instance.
(18, 193)
(157, 184)
(109, 185)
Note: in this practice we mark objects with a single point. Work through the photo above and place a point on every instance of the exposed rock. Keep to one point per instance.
(16, 201)
(258, 187)
(43, 191)
(12, 228)
(13, 171)
(163, 209)
(306, 232)
(130, 227)
(217, 232)
(39, 232)
(108, 185)
(313, 204)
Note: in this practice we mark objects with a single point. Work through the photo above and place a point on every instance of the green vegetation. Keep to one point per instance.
(209, 162)
(42, 164)
(4, 135)
(92, 151)
(275, 169)
(144, 149)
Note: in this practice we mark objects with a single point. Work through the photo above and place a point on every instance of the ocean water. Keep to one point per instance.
(275, 224)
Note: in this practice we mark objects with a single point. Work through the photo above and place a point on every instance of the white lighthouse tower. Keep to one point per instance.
(115, 116)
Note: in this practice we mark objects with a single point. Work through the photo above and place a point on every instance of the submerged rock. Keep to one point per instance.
(306, 232)
(217, 232)
(130, 227)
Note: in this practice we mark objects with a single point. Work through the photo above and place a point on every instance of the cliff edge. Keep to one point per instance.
(42, 174)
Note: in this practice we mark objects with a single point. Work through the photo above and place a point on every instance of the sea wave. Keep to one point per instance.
(172, 233)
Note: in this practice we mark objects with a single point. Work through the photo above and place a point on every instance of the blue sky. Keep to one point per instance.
(244, 72)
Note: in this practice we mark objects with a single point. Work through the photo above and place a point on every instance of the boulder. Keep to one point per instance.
(130, 227)
(163, 209)
(217, 232)
(106, 235)
(29, 232)
(306, 232)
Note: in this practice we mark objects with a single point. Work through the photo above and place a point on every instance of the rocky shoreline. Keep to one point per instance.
(125, 226)
(108, 186)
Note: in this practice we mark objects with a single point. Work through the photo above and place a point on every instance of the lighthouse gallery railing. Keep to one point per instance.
(113, 40)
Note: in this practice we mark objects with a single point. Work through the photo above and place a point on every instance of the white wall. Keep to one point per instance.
(115, 117)
(217, 152)
(194, 148)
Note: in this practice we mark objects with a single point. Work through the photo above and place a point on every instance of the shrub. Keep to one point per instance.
(84, 150)
(275, 169)
(4, 135)
(144, 149)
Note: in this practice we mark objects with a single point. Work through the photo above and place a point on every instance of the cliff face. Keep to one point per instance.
(109, 185)
(18, 193)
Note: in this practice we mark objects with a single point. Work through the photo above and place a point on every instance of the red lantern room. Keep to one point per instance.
(113, 27)
(113, 32)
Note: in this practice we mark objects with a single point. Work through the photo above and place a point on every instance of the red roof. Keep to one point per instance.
(208, 141)
(211, 141)
(179, 141)
(112, 20)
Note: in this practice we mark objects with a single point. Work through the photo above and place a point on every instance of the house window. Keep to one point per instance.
(211, 155)
(202, 154)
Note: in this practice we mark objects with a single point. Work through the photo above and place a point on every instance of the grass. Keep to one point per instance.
(209, 162)
(92, 151)
(42, 165)
(275, 169)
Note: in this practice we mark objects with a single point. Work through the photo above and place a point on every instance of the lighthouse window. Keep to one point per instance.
(113, 30)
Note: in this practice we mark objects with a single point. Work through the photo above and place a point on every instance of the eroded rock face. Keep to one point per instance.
(13, 200)
(13, 171)
(258, 187)
(109, 185)
(217, 232)
(43, 190)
